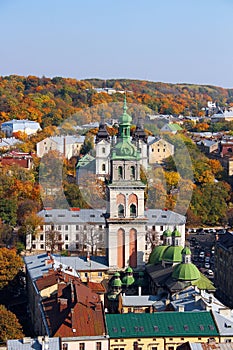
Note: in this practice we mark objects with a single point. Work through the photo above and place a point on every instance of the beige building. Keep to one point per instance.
(159, 149)
(68, 146)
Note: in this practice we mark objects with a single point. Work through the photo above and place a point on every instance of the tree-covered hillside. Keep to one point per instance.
(51, 101)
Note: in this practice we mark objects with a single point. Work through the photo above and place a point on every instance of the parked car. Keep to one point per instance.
(210, 272)
(202, 254)
(207, 265)
(207, 259)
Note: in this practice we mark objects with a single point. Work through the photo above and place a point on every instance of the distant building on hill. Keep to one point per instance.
(69, 146)
(29, 127)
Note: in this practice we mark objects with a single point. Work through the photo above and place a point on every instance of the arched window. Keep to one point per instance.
(120, 172)
(103, 150)
(103, 167)
(133, 210)
(132, 173)
(121, 211)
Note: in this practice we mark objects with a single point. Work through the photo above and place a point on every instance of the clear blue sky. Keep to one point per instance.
(160, 40)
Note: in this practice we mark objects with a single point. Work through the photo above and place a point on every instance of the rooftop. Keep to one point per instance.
(161, 324)
(33, 344)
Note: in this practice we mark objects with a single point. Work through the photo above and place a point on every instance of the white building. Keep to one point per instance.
(68, 146)
(29, 127)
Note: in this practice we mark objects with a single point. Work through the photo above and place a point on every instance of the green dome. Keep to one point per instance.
(186, 251)
(167, 233)
(116, 282)
(129, 269)
(186, 272)
(128, 280)
(117, 274)
(176, 233)
(173, 254)
(157, 254)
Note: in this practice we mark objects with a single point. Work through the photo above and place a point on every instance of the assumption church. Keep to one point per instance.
(121, 230)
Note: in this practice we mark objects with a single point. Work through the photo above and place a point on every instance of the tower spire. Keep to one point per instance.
(125, 104)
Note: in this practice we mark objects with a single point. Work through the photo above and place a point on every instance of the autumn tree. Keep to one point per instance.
(10, 328)
(10, 265)
(52, 240)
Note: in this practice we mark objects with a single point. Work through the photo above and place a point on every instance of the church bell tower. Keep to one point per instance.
(125, 213)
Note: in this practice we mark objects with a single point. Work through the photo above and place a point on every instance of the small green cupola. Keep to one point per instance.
(116, 283)
(186, 255)
(167, 237)
(176, 237)
(128, 279)
(140, 282)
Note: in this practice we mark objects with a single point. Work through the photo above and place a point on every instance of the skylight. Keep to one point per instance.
(115, 329)
(201, 327)
(156, 328)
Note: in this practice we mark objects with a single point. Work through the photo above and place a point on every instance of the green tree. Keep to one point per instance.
(10, 328)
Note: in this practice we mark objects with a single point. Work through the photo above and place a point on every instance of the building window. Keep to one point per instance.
(59, 237)
(100, 227)
(77, 237)
(152, 150)
(77, 227)
(41, 227)
(84, 227)
(103, 150)
(158, 149)
(66, 246)
(145, 247)
(66, 227)
(86, 274)
(121, 211)
(42, 246)
(133, 210)
(66, 237)
(41, 237)
(103, 167)
(59, 227)
(100, 274)
(52, 227)
(65, 346)
(33, 246)
(154, 348)
(164, 150)
(129, 309)
(100, 237)
(120, 172)
(161, 228)
(132, 172)
(77, 246)
(81, 346)
(98, 345)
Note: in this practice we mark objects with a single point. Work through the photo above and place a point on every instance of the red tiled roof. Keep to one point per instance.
(96, 287)
(77, 313)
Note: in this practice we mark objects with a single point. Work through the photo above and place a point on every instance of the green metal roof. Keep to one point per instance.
(161, 324)
(85, 160)
(204, 283)
(157, 254)
(186, 272)
(173, 254)
(174, 127)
